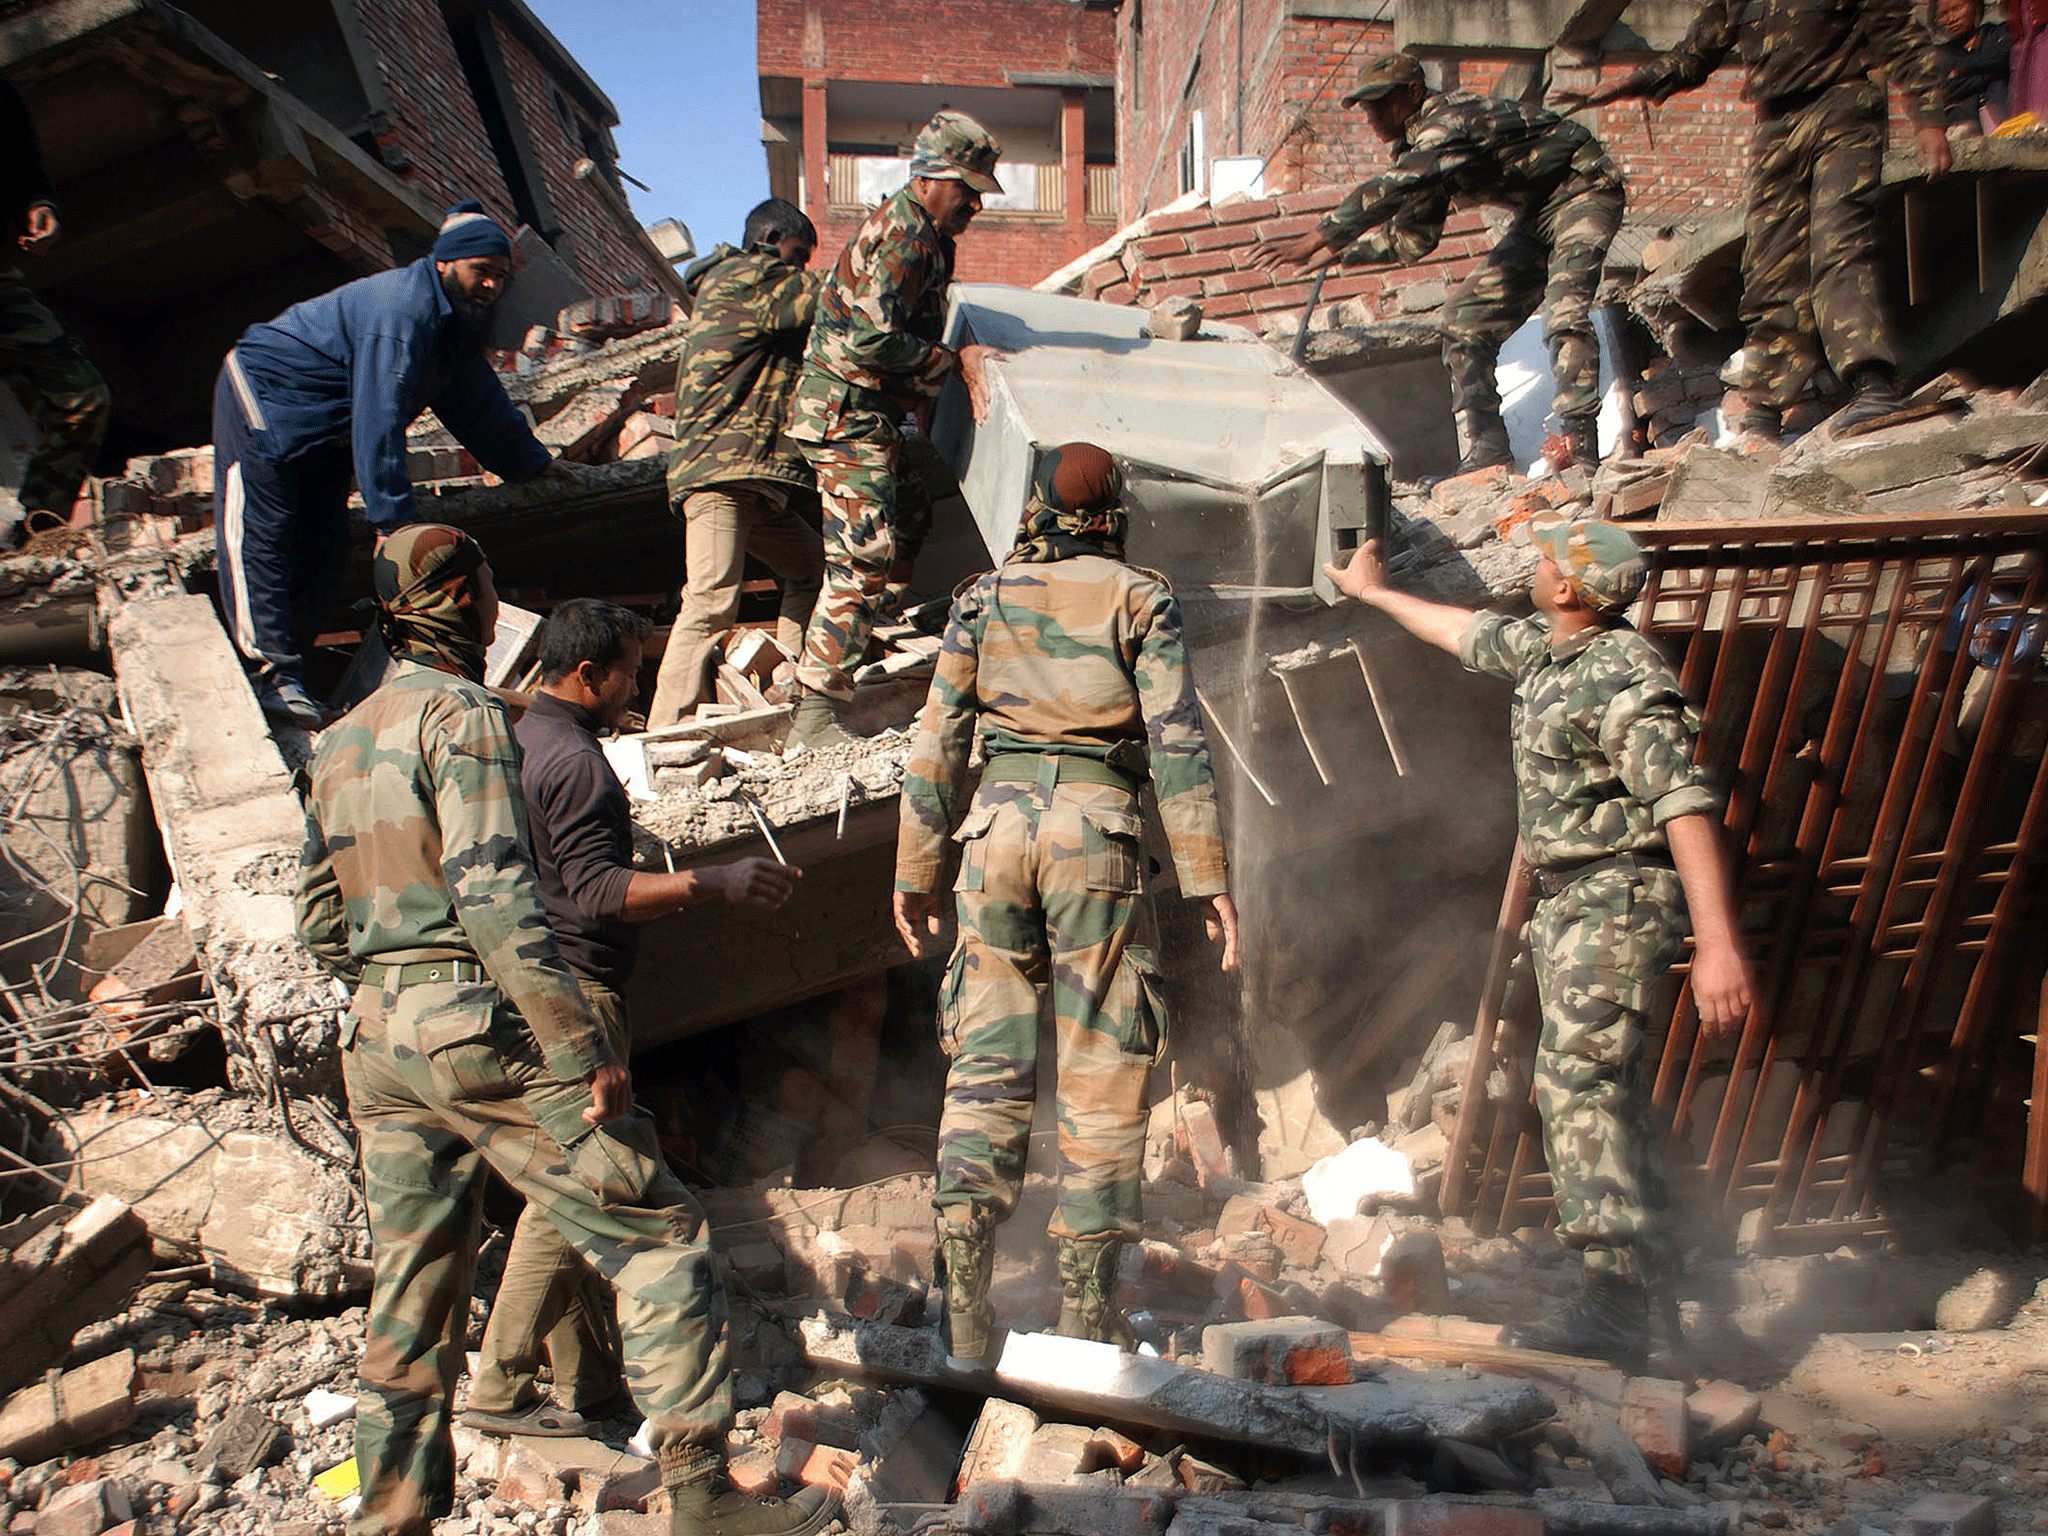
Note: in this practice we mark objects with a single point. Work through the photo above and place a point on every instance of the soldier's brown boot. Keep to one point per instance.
(967, 1257)
(1488, 449)
(1873, 395)
(816, 724)
(1088, 1308)
(1582, 437)
(1610, 1321)
(702, 1503)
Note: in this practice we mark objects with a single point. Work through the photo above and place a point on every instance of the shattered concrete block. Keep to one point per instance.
(911, 1454)
(1199, 1476)
(1654, 1414)
(1071, 1509)
(997, 1443)
(84, 1404)
(246, 1439)
(1985, 1300)
(60, 1269)
(1721, 1413)
(1443, 1516)
(1712, 484)
(1287, 1351)
(84, 1509)
(792, 1415)
(1055, 1453)
(1948, 1514)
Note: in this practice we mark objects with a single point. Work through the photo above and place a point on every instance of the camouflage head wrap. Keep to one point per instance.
(1598, 561)
(1076, 506)
(414, 577)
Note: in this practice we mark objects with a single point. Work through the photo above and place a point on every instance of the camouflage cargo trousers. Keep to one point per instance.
(876, 493)
(442, 1077)
(549, 1298)
(1809, 261)
(1600, 947)
(1551, 255)
(1050, 900)
(62, 392)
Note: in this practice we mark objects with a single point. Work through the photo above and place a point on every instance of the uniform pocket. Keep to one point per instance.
(1148, 1004)
(1109, 850)
(973, 840)
(950, 988)
(472, 1042)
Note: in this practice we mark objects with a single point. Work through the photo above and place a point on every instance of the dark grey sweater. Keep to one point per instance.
(582, 838)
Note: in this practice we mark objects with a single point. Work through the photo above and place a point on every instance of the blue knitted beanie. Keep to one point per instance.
(469, 231)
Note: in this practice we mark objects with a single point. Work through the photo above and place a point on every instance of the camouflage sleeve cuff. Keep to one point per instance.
(919, 875)
(574, 1060)
(1686, 800)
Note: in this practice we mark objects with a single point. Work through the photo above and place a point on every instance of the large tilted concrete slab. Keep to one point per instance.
(1102, 1382)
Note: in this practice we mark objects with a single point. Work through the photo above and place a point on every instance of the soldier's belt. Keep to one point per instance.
(1024, 768)
(418, 972)
(1551, 882)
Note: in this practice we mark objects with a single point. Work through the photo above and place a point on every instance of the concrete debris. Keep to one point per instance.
(73, 1408)
(60, 1269)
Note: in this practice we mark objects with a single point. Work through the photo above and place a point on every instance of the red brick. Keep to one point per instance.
(1121, 293)
(1248, 211)
(819, 1466)
(1186, 218)
(1197, 265)
(1457, 1517)
(753, 1475)
(1152, 247)
(1318, 1366)
(1222, 237)
(1180, 287)
(1319, 200)
(1102, 274)
(1241, 281)
(1654, 1414)
(1287, 228)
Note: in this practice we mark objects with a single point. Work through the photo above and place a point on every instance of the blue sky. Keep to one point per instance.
(681, 73)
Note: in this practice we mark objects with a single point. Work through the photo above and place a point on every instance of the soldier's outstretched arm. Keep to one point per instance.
(1364, 578)
(1720, 967)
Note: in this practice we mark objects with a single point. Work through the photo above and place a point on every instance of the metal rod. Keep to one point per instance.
(845, 794)
(761, 820)
(1379, 710)
(1301, 724)
(1215, 722)
(1299, 350)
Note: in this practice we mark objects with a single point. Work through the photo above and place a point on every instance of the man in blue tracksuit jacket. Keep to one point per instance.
(326, 391)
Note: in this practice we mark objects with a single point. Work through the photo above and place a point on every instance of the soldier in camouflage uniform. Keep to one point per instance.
(470, 1042)
(1567, 197)
(1069, 664)
(1620, 827)
(57, 384)
(1810, 286)
(734, 475)
(874, 358)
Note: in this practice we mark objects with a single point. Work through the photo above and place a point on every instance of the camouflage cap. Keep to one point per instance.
(953, 145)
(1382, 74)
(1599, 561)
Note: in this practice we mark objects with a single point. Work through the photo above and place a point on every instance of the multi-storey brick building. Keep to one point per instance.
(846, 84)
(218, 161)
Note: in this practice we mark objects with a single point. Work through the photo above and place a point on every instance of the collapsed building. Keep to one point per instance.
(1345, 1197)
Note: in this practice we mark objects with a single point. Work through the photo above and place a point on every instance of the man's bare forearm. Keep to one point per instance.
(655, 893)
(1442, 625)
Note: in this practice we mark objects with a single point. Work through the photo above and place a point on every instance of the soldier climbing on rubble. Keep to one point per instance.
(1070, 666)
(1567, 198)
(49, 372)
(1618, 823)
(735, 477)
(874, 359)
(470, 1042)
(1811, 291)
(582, 825)
(327, 390)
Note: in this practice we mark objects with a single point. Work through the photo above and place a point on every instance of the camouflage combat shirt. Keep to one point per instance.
(874, 353)
(1482, 149)
(1603, 738)
(1795, 49)
(417, 849)
(750, 317)
(1073, 655)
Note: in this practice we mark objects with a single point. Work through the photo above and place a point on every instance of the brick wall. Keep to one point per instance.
(610, 261)
(435, 123)
(965, 43)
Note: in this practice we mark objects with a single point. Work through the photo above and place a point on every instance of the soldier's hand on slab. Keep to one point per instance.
(1720, 988)
(559, 468)
(1365, 572)
(1311, 250)
(917, 920)
(1572, 101)
(1934, 150)
(42, 227)
(611, 1093)
(757, 882)
(974, 374)
(1219, 920)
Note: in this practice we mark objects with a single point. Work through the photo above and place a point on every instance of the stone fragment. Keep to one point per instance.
(1055, 1453)
(1948, 1514)
(244, 1441)
(912, 1453)
(1199, 1476)
(84, 1404)
(1712, 484)
(753, 1474)
(1110, 1449)
(61, 1268)
(793, 1415)
(530, 1480)
(997, 1443)
(1722, 1413)
(84, 1509)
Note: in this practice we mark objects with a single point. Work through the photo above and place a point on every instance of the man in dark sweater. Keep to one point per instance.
(582, 830)
(48, 371)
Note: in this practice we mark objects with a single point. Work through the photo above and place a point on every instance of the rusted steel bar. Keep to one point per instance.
(2034, 1175)
(1315, 754)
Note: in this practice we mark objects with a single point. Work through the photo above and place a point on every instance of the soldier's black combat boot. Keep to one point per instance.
(1488, 448)
(702, 1503)
(1582, 437)
(1610, 1321)
(1873, 392)
(1088, 1308)
(967, 1258)
(815, 723)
